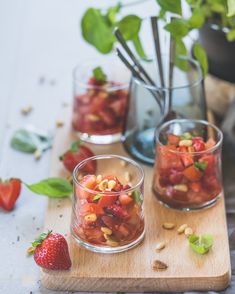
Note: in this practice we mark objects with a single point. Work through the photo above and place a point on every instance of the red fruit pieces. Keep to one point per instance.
(117, 211)
(198, 144)
(192, 173)
(9, 193)
(173, 139)
(175, 176)
(107, 200)
(125, 199)
(211, 164)
(52, 253)
(88, 181)
(196, 186)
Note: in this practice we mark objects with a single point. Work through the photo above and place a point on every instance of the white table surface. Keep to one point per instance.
(40, 43)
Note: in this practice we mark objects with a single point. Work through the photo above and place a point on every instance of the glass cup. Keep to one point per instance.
(99, 107)
(108, 219)
(187, 171)
(144, 114)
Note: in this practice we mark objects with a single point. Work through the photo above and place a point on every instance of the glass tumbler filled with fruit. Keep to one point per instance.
(100, 100)
(187, 171)
(107, 210)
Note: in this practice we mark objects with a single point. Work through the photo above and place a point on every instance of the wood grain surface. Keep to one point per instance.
(132, 270)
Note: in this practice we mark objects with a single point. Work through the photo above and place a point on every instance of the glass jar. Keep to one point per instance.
(100, 106)
(144, 114)
(187, 171)
(107, 209)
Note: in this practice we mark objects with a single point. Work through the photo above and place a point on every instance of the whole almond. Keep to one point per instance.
(160, 246)
(168, 226)
(159, 265)
(182, 228)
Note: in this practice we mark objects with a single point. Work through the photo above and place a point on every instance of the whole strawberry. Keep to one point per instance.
(51, 252)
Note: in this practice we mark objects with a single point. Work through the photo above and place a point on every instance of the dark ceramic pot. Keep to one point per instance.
(220, 52)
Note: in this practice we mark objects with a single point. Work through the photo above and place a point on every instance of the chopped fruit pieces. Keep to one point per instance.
(108, 215)
(187, 173)
(9, 193)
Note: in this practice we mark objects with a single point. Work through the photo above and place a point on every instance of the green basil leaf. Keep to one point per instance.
(231, 8)
(231, 35)
(139, 48)
(197, 19)
(97, 31)
(171, 6)
(52, 187)
(97, 197)
(181, 51)
(201, 244)
(178, 28)
(137, 196)
(28, 141)
(99, 74)
(200, 54)
(201, 165)
(129, 26)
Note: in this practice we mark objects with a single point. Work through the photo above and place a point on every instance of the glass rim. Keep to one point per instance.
(85, 85)
(192, 84)
(199, 121)
(107, 156)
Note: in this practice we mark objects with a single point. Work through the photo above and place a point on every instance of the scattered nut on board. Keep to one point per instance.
(159, 265)
(160, 246)
(188, 231)
(37, 154)
(168, 226)
(26, 110)
(59, 123)
(182, 228)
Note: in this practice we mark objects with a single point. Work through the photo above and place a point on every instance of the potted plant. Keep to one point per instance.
(215, 20)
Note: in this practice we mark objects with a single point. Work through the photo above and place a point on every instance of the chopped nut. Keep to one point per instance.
(168, 226)
(106, 231)
(91, 217)
(188, 231)
(99, 178)
(160, 246)
(111, 184)
(123, 163)
(182, 228)
(112, 243)
(186, 143)
(181, 187)
(103, 185)
(59, 123)
(127, 176)
(37, 154)
(30, 250)
(159, 265)
(26, 110)
(93, 117)
(79, 177)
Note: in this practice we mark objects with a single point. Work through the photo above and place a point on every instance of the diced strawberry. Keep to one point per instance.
(173, 139)
(118, 186)
(198, 144)
(91, 208)
(175, 176)
(125, 199)
(196, 186)
(169, 159)
(110, 222)
(88, 181)
(108, 117)
(107, 200)
(210, 143)
(186, 157)
(211, 164)
(192, 173)
(117, 211)
(212, 184)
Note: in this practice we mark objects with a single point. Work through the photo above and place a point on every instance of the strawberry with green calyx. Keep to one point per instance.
(50, 251)
(9, 193)
(75, 155)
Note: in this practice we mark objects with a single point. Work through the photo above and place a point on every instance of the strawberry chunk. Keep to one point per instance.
(173, 139)
(198, 144)
(192, 173)
(117, 211)
(196, 186)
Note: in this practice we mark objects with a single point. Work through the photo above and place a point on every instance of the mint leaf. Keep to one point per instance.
(97, 31)
(181, 51)
(178, 28)
(112, 13)
(201, 244)
(28, 141)
(52, 187)
(197, 19)
(137, 196)
(231, 8)
(171, 6)
(97, 197)
(129, 26)
(99, 74)
(201, 165)
(186, 136)
(200, 54)
(75, 146)
(231, 35)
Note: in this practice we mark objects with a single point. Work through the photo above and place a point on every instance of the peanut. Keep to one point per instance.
(181, 187)
(182, 228)
(168, 226)
(186, 143)
(91, 217)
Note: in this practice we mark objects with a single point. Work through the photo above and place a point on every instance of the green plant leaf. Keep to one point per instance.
(181, 50)
(28, 141)
(99, 74)
(137, 196)
(129, 26)
(201, 165)
(201, 244)
(52, 187)
(97, 197)
(97, 31)
(231, 8)
(112, 13)
(231, 35)
(200, 55)
(75, 146)
(171, 6)
(139, 48)
(186, 136)
(178, 28)
(197, 19)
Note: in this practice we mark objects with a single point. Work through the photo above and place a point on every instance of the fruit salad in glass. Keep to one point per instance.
(107, 214)
(187, 171)
(100, 103)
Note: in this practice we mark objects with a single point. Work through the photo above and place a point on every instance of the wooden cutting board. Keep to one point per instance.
(132, 271)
